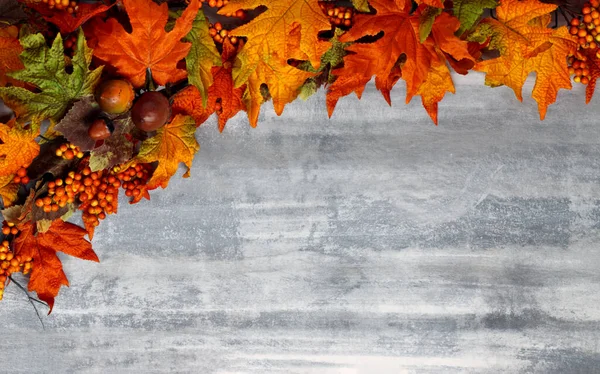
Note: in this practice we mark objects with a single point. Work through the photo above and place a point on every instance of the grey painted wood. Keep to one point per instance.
(373, 242)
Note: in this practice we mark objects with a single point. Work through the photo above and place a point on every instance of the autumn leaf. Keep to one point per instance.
(361, 5)
(11, 12)
(47, 275)
(286, 30)
(10, 49)
(18, 147)
(74, 125)
(469, 11)
(202, 56)
(526, 45)
(8, 190)
(174, 143)
(148, 46)
(223, 97)
(67, 22)
(400, 47)
(45, 68)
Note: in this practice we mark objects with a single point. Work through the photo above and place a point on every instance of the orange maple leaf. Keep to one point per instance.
(18, 147)
(173, 143)
(8, 190)
(526, 45)
(68, 22)
(593, 63)
(47, 275)
(10, 49)
(400, 46)
(223, 97)
(148, 46)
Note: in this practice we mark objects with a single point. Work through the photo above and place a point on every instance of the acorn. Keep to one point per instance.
(99, 130)
(151, 111)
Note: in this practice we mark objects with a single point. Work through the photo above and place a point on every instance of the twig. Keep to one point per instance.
(31, 300)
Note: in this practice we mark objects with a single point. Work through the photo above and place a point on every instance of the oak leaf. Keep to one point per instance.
(148, 46)
(526, 45)
(223, 98)
(45, 69)
(10, 49)
(18, 147)
(173, 143)
(47, 275)
(399, 49)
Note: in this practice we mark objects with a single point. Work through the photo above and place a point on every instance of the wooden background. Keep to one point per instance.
(374, 242)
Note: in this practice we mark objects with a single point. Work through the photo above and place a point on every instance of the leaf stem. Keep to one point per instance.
(31, 300)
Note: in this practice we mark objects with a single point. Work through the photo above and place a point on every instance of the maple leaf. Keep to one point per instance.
(45, 68)
(11, 12)
(47, 276)
(10, 49)
(8, 190)
(148, 46)
(202, 57)
(469, 11)
(173, 143)
(286, 30)
(223, 98)
(400, 46)
(67, 22)
(526, 44)
(18, 147)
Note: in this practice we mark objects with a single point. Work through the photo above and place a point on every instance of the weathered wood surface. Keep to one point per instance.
(373, 242)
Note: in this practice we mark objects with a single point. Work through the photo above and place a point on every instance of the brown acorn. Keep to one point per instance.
(99, 130)
(151, 111)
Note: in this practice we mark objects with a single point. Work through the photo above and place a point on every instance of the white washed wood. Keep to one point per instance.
(373, 242)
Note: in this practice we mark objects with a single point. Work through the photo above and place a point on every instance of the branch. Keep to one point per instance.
(31, 300)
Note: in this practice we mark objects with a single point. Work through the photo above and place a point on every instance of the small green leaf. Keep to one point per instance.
(45, 68)
(361, 5)
(202, 56)
(469, 11)
(426, 21)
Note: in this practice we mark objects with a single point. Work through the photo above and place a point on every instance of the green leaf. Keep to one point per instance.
(426, 21)
(202, 56)
(361, 5)
(45, 68)
(308, 89)
(469, 11)
(331, 59)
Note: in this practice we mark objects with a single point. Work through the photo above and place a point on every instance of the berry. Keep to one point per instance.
(99, 130)
(151, 111)
(115, 96)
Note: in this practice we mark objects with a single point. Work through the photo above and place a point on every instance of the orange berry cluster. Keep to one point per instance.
(68, 151)
(9, 263)
(69, 5)
(338, 15)
(579, 67)
(61, 192)
(100, 197)
(9, 228)
(21, 176)
(219, 34)
(134, 178)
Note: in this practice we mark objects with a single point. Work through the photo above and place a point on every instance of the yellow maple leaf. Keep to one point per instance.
(173, 143)
(286, 30)
(18, 147)
(526, 44)
(8, 190)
